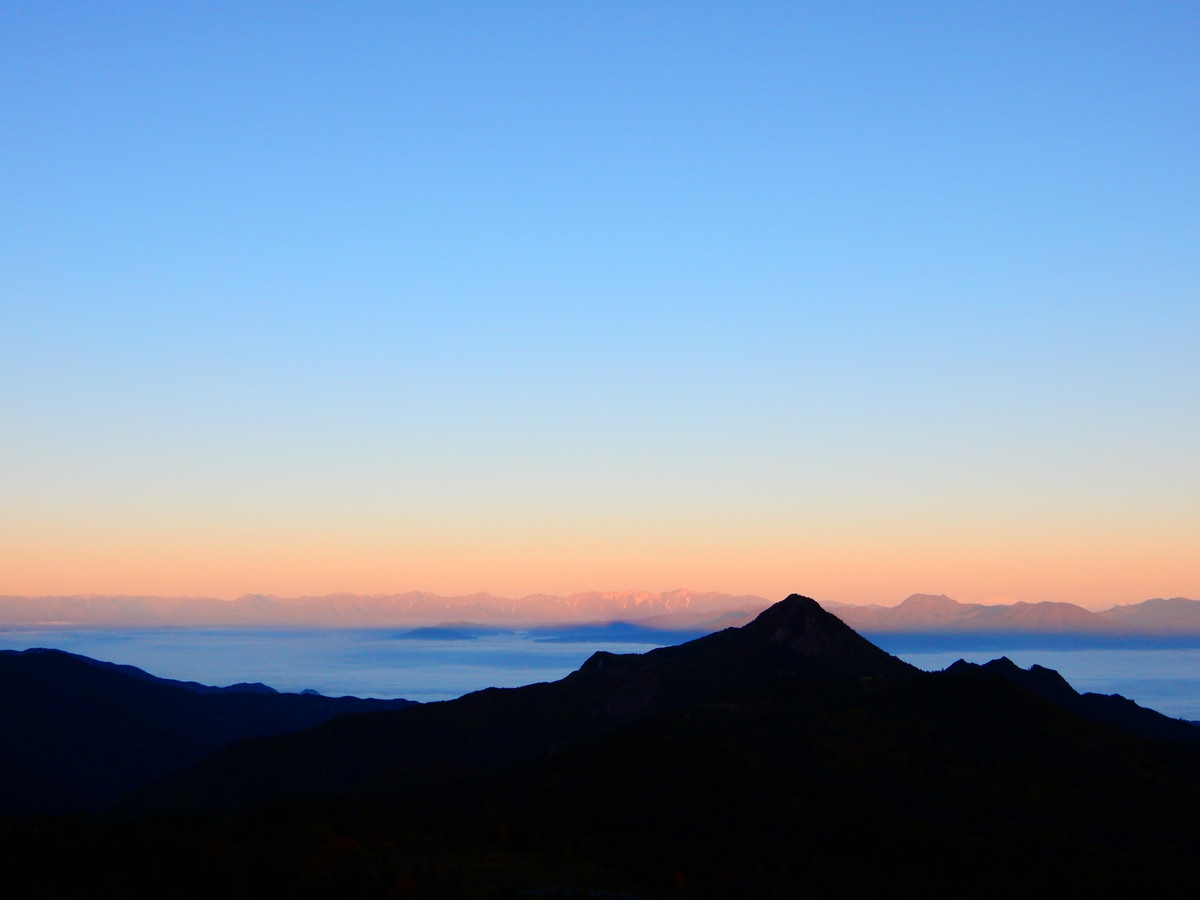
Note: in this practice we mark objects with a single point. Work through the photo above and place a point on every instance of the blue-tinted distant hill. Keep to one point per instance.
(612, 632)
(464, 631)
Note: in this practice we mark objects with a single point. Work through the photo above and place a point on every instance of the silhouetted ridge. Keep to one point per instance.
(794, 647)
(1110, 709)
(78, 733)
(797, 636)
(785, 758)
(794, 638)
(1039, 679)
(49, 657)
(800, 625)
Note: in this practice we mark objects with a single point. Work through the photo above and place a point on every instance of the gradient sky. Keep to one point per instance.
(850, 299)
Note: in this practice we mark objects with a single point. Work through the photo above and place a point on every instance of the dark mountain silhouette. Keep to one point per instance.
(84, 732)
(486, 730)
(786, 758)
(1111, 709)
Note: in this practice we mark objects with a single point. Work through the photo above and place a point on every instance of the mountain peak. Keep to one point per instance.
(792, 620)
(798, 628)
(929, 602)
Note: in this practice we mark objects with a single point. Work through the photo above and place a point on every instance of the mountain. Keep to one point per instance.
(930, 613)
(1110, 709)
(84, 732)
(483, 731)
(1176, 615)
(680, 609)
(786, 758)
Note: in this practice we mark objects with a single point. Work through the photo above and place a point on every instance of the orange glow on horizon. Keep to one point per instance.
(835, 565)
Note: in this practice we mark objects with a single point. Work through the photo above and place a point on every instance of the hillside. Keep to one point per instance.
(83, 733)
(789, 757)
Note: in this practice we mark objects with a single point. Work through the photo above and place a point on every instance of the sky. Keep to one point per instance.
(853, 300)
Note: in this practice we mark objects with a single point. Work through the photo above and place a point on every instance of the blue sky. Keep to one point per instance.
(850, 299)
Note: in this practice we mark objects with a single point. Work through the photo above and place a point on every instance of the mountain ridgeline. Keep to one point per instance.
(77, 734)
(788, 757)
(680, 610)
(487, 730)
(931, 613)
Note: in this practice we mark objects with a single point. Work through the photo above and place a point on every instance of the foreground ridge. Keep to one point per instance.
(77, 734)
(786, 757)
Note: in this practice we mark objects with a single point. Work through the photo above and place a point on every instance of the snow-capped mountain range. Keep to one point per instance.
(678, 609)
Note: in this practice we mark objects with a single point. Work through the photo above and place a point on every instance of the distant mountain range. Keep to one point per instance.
(789, 757)
(678, 610)
(930, 613)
